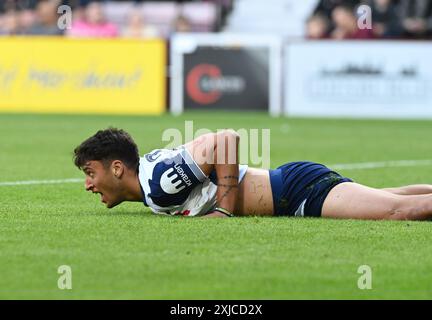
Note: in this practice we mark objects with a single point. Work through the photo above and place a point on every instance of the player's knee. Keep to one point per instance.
(402, 210)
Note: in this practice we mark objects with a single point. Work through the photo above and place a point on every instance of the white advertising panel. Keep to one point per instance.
(367, 79)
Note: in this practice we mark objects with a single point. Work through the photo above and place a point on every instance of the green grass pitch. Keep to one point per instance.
(127, 253)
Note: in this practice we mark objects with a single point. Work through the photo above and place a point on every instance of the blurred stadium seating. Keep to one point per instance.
(325, 19)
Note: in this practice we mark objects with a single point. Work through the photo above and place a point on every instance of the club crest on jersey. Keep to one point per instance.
(153, 156)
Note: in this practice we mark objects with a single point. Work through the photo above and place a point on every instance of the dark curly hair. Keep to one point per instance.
(108, 145)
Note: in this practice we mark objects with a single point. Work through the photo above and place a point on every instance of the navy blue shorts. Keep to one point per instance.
(300, 188)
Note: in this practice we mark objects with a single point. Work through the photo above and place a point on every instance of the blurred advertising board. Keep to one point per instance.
(82, 76)
(358, 79)
(225, 72)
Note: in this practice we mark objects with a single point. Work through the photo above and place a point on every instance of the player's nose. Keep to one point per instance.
(88, 185)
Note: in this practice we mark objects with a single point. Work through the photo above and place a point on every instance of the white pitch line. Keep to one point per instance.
(340, 166)
(38, 182)
(382, 164)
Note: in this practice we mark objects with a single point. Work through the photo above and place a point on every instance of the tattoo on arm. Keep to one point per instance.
(229, 188)
(230, 177)
(227, 185)
(232, 184)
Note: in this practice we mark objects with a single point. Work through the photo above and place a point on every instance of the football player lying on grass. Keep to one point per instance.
(203, 178)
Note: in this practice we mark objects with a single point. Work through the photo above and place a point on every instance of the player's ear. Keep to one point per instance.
(117, 168)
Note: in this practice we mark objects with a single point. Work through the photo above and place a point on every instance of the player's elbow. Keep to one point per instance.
(229, 134)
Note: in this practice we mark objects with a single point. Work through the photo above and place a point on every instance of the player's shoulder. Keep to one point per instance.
(162, 154)
(177, 158)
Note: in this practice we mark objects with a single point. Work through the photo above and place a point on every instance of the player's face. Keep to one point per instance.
(101, 180)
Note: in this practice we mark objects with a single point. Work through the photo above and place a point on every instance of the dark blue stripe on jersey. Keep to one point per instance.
(143, 195)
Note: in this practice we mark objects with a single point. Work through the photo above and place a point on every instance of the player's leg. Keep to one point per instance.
(411, 190)
(354, 201)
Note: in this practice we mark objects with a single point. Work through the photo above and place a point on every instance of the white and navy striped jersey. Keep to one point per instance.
(172, 183)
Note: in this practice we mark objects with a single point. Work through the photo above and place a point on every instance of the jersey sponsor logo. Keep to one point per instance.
(170, 182)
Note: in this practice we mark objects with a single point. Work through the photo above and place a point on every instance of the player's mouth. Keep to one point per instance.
(101, 196)
(103, 200)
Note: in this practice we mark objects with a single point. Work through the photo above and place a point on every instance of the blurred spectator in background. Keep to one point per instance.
(78, 14)
(93, 24)
(345, 22)
(385, 18)
(416, 18)
(7, 6)
(182, 24)
(17, 5)
(46, 19)
(137, 28)
(26, 18)
(9, 24)
(326, 7)
(317, 27)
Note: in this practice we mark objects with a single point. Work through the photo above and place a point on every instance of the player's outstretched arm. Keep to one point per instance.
(219, 152)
